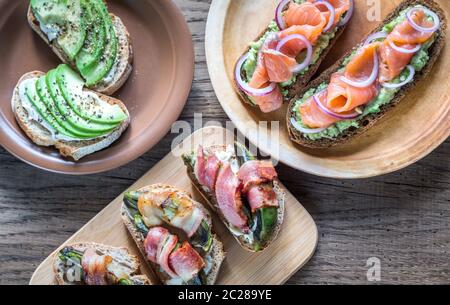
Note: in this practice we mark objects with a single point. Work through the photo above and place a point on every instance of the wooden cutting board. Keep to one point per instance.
(408, 133)
(294, 246)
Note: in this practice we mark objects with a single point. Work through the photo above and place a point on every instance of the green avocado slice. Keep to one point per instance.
(95, 38)
(60, 118)
(74, 34)
(68, 16)
(101, 69)
(33, 97)
(71, 86)
(76, 122)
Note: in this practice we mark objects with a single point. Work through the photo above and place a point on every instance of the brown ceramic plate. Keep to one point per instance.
(155, 93)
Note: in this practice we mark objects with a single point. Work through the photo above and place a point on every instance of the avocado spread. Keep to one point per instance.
(58, 103)
(250, 64)
(384, 97)
(84, 31)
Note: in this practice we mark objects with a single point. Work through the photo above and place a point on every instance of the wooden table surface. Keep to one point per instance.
(403, 219)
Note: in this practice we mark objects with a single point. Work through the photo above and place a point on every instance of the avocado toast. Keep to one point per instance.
(97, 264)
(83, 34)
(414, 65)
(284, 58)
(55, 109)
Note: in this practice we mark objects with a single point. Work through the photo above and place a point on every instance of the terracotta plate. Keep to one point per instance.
(155, 93)
(417, 126)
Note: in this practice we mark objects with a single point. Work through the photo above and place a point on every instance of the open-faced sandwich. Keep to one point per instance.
(55, 109)
(96, 264)
(244, 192)
(281, 62)
(87, 37)
(366, 83)
(156, 216)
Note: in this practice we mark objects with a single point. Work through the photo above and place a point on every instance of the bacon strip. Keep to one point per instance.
(186, 262)
(256, 172)
(228, 193)
(95, 267)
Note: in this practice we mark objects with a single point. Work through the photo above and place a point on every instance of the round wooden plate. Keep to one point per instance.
(408, 133)
(155, 93)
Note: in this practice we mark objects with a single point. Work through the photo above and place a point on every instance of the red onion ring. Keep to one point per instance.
(279, 14)
(419, 28)
(375, 36)
(403, 50)
(297, 126)
(244, 86)
(348, 15)
(369, 81)
(332, 13)
(298, 68)
(410, 77)
(334, 114)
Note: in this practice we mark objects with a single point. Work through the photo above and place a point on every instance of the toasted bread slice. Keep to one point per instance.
(124, 55)
(217, 253)
(212, 201)
(120, 255)
(302, 80)
(371, 119)
(42, 137)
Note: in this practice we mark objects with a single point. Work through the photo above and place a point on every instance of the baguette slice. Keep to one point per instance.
(217, 252)
(302, 80)
(124, 55)
(73, 149)
(119, 255)
(371, 119)
(212, 202)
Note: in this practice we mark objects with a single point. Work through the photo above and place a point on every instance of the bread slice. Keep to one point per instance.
(212, 201)
(302, 80)
(124, 55)
(119, 254)
(42, 137)
(217, 252)
(371, 119)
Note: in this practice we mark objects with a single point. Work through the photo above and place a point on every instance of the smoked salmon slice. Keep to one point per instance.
(260, 79)
(404, 33)
(340, 8)
(279, 66)
(344, 98)
(313, 116)
(361, 65)
(392, 62)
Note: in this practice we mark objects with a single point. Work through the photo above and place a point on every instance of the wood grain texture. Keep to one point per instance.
(402, 218)
(293, 247)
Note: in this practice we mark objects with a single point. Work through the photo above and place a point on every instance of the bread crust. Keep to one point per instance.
(73, 149)
(212, 202)
(125, 54)
(371, 119)
(217, 252)
(134, 263)
(301, 81)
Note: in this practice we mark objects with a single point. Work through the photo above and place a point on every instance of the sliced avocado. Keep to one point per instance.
(61, 119)
(69, 16)
(95, 38)
(108, 58)
(33, 97)
(71, 86)
(75, 122)
(74, 33)
(49, 11)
